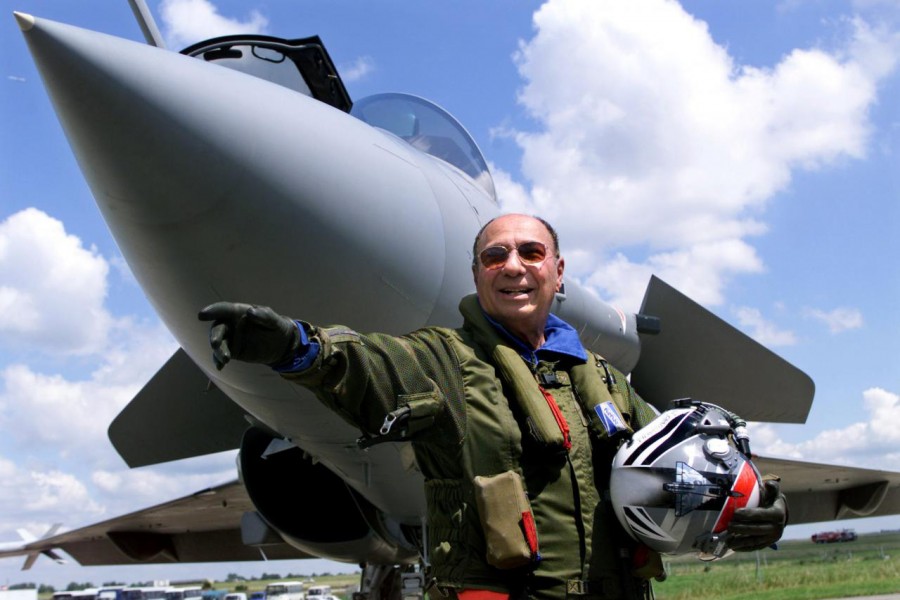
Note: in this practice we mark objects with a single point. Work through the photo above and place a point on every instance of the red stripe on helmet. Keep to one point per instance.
(742, 491)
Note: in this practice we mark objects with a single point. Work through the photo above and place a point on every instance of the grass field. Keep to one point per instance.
(798, 570)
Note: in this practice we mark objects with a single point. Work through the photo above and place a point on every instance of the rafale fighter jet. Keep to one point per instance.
(241, 169)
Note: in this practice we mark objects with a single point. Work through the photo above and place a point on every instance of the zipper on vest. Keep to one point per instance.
(579, 405)
(608, 378)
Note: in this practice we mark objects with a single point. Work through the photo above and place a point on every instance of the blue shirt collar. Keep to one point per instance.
(560, 338)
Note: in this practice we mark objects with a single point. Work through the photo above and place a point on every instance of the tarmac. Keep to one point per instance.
(881, 597)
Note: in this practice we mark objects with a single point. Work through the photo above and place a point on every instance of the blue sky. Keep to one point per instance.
(747, 152)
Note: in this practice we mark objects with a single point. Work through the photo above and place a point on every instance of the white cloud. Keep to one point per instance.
(654, 141)
(164, 482)
(511, 194)
(52, 288)
(122, 269)
(59, 464)
(7, 468)
(56, 490)
(838, 319)
(189, 21)
(52, 302)
(125, 490)
(869, 42)
(36, 498)
(358, 69)
(762, 330)
(873, 442)
(693, 268)
(884, 407)
(51, 414)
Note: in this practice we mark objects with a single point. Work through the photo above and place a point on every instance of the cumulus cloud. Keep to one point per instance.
(189, 21)
(50, 413)
(653, 140)
(512, 195)
(357, 70)
(762, 330)
(123, 490)
(693, 268)
(873, 442)
(52, 288)
(56, 461)
(838, 319)
(34, 499)
(122, 269)
(52, 302)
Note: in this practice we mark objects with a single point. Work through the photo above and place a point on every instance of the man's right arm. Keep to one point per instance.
(361, 377)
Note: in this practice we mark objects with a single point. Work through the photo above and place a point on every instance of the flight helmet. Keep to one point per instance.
(676, 484)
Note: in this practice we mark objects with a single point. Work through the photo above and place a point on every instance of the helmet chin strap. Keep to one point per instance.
(713, 546)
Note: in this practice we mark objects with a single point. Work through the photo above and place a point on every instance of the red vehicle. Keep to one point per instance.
(829, 537)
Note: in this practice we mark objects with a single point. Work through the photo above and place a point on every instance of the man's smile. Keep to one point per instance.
(516, 291)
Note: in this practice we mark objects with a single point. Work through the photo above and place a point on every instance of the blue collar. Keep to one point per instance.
(560, 339)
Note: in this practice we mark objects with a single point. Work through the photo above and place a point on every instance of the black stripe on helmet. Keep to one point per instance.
(670, 429)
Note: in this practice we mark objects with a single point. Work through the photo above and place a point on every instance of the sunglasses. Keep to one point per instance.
(530, 253)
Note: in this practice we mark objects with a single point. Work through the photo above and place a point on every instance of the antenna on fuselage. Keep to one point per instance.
(146, 23)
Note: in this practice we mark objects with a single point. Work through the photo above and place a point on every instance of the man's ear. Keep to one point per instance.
(560, 267)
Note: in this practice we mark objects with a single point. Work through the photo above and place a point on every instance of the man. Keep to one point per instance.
(500, 416)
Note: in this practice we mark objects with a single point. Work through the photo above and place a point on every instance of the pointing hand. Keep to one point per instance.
(249, 333)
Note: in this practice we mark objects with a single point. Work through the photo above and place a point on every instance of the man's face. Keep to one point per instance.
(518, 295)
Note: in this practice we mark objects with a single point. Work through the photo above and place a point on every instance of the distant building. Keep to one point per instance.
(18, 594)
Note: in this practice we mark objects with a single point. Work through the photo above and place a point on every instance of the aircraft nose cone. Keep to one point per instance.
(130, 114)
(25, 21)
(220, 185)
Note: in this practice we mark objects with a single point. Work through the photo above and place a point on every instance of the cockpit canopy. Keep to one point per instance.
(429, 128)
(304, 66)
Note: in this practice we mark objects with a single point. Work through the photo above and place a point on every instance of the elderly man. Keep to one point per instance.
(502, 417)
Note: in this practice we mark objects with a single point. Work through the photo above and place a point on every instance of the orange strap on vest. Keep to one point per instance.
(481, 595)
(560, 419)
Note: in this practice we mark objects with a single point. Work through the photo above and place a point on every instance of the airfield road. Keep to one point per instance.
(882, 597)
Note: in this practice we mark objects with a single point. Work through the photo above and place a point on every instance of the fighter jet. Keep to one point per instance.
(24, 547)
(240, 169)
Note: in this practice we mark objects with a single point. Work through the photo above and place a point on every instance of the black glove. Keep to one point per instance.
(758, 528)
(250, 333)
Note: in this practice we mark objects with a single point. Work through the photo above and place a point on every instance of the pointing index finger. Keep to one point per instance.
(223, 311)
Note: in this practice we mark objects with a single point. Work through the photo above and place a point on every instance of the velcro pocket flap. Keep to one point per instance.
(506, 520)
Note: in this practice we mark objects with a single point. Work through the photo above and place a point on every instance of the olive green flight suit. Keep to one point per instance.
(468, 418)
